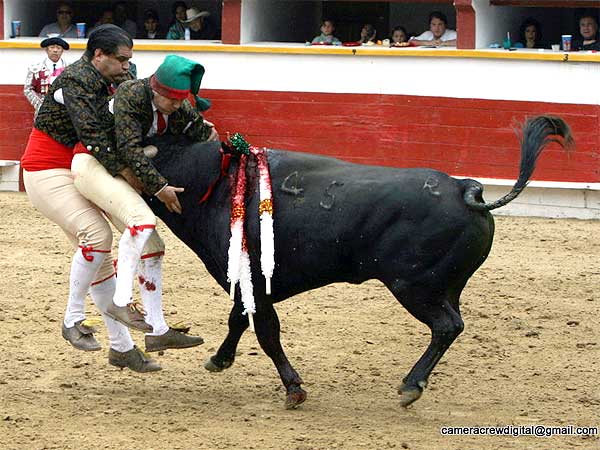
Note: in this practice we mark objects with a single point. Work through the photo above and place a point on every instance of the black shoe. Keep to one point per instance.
(81, 337)
(171, 339)
(132, 316)
(134, 359)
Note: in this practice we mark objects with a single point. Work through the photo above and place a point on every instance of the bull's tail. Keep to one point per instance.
(537, 132)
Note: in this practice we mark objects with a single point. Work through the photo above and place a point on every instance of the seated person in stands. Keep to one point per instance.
(200, 26)
(437, 35)
(530, 34)
(105, 17)
(588, 29)
(151, 26)
(326, 36)
(121, 20)
(63, 27)
(368, 35)
(399, 37)
(176, 27)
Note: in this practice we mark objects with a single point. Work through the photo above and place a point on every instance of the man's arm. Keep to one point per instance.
(129, 106)
(33, 97)
(193, 125)
(83, 111)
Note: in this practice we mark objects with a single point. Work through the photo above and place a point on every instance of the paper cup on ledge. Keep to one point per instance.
(81, 29)
(555, 47)
(566, 42)
(15, 30)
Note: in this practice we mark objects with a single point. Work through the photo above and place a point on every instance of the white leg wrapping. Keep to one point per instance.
(150, 281)
(130, 250)
(118, 334)
(83, 272)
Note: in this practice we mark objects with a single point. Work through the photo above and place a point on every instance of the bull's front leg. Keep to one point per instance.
(225, 356)
(266, 324)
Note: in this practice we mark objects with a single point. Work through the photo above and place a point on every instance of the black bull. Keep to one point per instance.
(420, 232)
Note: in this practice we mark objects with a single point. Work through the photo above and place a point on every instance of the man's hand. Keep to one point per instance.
(134, 181)
(214, 135)
(168, 195)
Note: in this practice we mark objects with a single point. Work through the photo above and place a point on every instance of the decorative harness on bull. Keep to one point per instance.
(238, 265)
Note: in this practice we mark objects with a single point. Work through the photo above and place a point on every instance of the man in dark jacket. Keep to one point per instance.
(143, 108)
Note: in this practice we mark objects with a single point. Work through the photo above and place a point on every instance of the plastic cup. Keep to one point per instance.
(566, 42)
(81, 29)
(15, 28)
(555, 47)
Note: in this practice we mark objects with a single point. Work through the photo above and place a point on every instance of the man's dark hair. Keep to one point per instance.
(527, 23)
(176, 5)
(438, 15)
(108, 38)
(588, 14)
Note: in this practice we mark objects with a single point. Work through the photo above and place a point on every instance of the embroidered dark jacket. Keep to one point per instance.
(84, 116)
(133, 119)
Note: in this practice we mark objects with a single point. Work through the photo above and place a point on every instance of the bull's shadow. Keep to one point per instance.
(420, 232)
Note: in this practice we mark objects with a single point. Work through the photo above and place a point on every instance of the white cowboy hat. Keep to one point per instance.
(194, 13)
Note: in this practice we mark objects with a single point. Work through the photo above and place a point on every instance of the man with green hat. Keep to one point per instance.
(144, 108)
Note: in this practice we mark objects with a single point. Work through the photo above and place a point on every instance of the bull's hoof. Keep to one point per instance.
(213, 366)
(295, 397)
(409, 395)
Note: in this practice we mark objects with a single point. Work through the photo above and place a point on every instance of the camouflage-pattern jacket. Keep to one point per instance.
(134, 115)
(76, 109)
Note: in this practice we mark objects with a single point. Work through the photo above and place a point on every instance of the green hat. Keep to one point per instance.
(177, 77)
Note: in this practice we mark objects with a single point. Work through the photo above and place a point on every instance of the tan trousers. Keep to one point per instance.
(53, 193)
(112, 194)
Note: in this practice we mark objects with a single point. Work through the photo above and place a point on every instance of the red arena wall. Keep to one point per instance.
(459, 136)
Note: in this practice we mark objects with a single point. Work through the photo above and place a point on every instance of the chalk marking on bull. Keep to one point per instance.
(329, 196)
(430, 185)
(291, 189)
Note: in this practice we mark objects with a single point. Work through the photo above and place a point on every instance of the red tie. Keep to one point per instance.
(161, 124)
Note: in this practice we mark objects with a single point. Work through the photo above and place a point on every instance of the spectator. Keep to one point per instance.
(399, 37)
(326, 36)
(438, 34)
(530, 34)
(588, 29)
(121, 20)
(105, 17)
(151, 26)
(42, 74)
(176, 27)
(368, 35)
(63, 27)
(200, 26)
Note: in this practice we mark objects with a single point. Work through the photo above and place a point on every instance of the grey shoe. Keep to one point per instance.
(81, 337)
(171, 339)
(132, 316)
(134, 359)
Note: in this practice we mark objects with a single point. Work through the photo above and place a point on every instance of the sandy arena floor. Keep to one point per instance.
(529, 355)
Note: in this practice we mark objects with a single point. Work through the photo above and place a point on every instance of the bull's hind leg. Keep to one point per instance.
(225, 356)
(266, 324)
(439, 311)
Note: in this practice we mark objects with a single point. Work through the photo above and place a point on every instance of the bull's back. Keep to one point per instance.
(346, 222)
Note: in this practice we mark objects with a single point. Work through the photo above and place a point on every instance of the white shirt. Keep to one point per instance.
(449, 35)
(154, 128)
